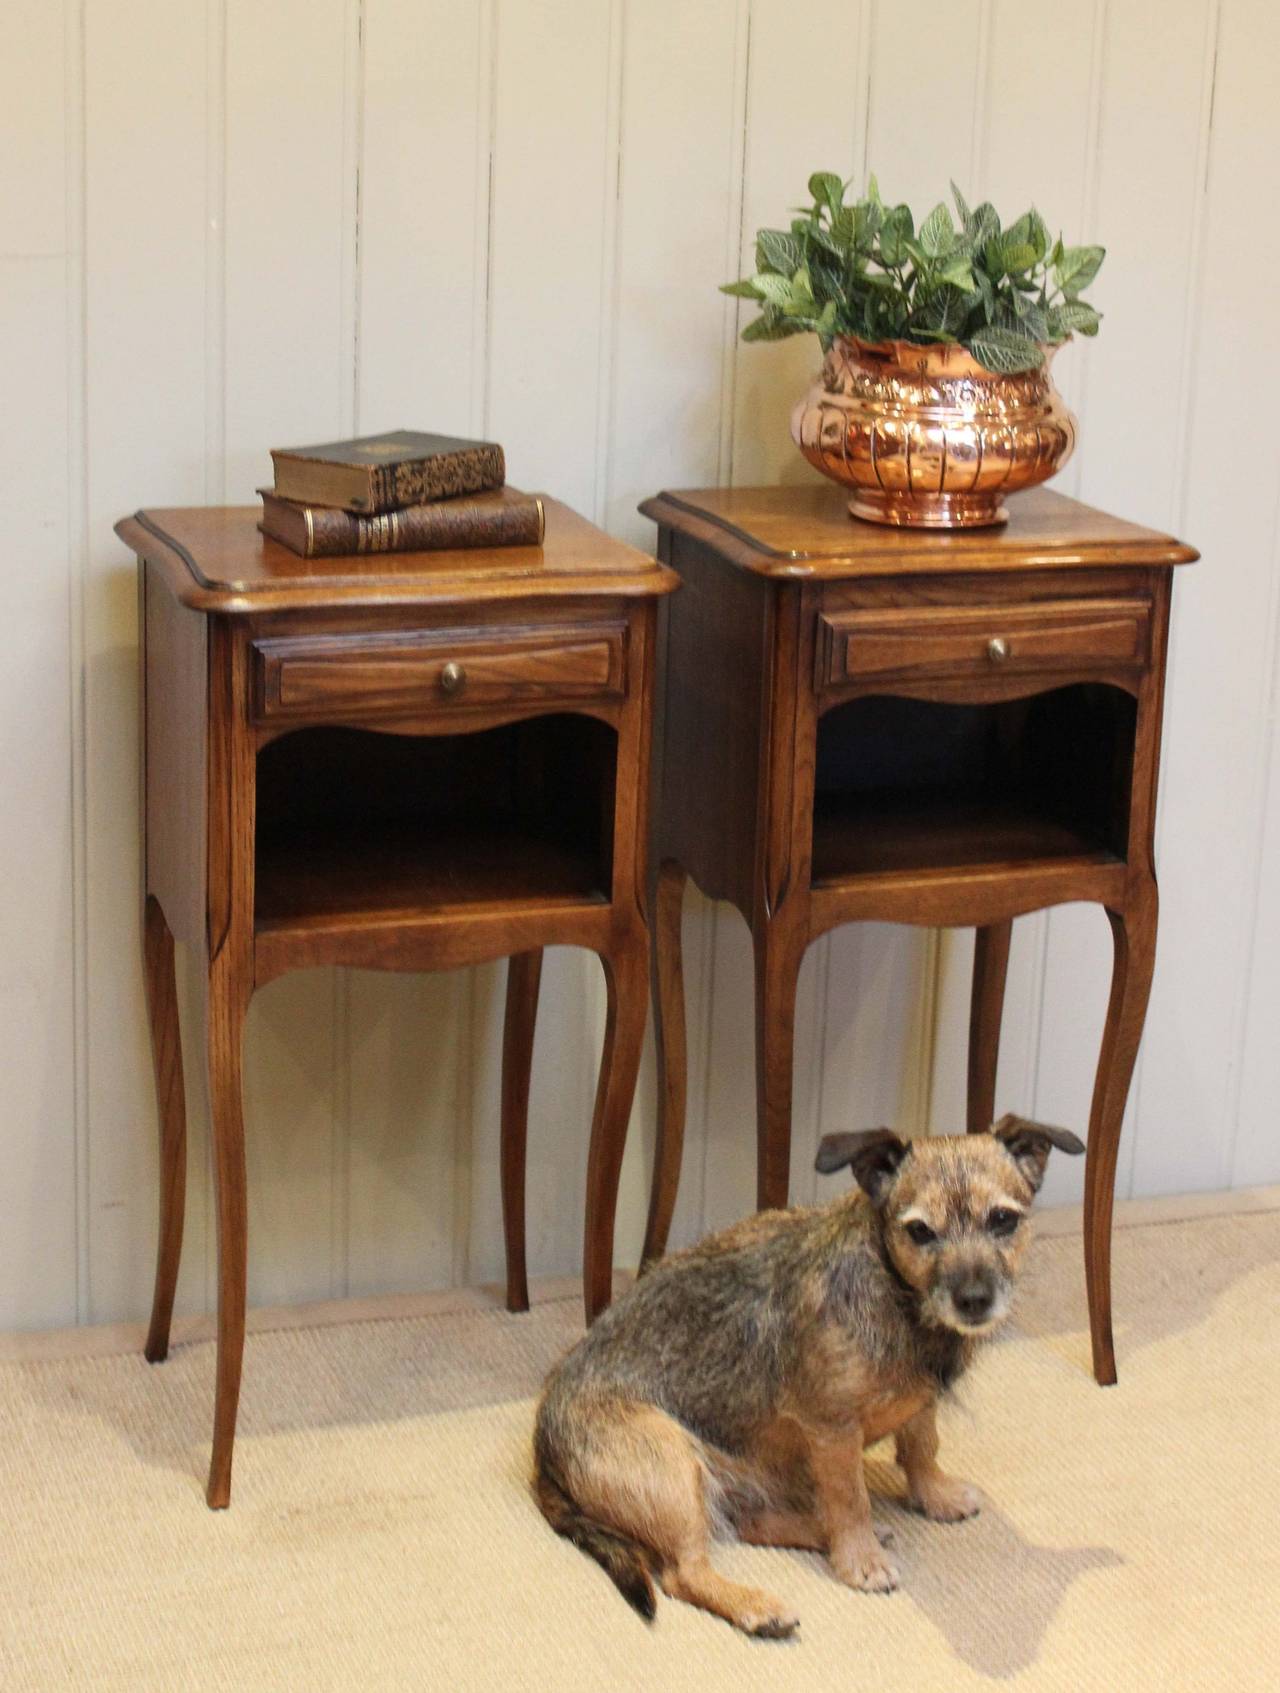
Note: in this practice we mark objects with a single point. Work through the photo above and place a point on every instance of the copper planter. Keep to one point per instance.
(927, 436)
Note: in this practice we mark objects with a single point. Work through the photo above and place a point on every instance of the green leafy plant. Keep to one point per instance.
(865, 269)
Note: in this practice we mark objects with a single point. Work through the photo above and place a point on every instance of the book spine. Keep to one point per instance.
(437, 478)
(331, 533)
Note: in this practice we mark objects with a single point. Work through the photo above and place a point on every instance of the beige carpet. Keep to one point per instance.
(382, 1535)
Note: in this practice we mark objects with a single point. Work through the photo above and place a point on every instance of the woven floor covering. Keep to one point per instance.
(382, 1534)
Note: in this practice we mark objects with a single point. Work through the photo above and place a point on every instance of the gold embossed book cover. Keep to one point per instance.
(500, 517)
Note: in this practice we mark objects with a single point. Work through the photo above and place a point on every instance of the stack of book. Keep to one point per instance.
(403, 492)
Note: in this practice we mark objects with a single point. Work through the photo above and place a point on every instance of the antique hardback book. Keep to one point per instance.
(503, 517)
(377, 473)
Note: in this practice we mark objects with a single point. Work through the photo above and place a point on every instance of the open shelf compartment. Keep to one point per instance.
(906, 786)
(355, 822)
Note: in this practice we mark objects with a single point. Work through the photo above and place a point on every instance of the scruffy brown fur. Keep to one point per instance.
(737, 1384)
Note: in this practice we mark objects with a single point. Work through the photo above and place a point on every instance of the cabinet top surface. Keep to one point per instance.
(806, 531)
(215, 559)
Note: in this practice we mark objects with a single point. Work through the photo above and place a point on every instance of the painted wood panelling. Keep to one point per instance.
(38, 1247)
(1022, 155)
(777, 161)
(555, 112)
(1223, 656)
(676, 234)
(147, 81)
(1126, 178)
(875, 1016)
(425, 122)
(1148, 147)
(287, 377)
(225, 226)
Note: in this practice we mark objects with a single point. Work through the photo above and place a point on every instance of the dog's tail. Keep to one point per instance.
(621, 1558)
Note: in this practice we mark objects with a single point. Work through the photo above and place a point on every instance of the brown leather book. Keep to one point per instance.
(377, 473)
(502, 518)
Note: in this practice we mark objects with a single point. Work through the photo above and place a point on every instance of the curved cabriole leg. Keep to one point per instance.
(990, 968)
(524, 975)
(227, 1004)
(778, 954)
(669, 1035)
(166, 1053)
(1134, 934)
(626, 973)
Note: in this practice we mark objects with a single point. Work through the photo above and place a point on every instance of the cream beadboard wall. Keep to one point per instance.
(227, 225)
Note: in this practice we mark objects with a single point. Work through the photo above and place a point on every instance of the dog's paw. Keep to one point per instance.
(867, 1568)
(943, 1499)
(767, 1618)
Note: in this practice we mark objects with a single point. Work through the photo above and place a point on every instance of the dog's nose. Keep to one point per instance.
(973, 1300)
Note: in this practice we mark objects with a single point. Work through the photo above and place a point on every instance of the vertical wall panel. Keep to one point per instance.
(1154, 110)
(145, 225)
(1015, 1072)
(409, 1081)
(676, 223)
(926, 93)
(1223, 655)
(1145, 199)
(1254, 1150)
(679, 105)
(289, 198)
(1120, 162)
(778, 158)
(781, 155)
(1024, 156)
(1038, 152)
(554, 165)
(37, 1024)
(423, 213)
(424, 178)
(551, 179)
(880, 978)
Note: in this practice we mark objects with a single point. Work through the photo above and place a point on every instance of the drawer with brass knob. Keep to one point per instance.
(1101, 634)
(406, 673)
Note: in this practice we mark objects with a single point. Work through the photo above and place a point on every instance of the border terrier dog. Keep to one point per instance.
(736, 1385)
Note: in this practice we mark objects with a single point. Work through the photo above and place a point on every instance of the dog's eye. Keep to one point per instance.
(1003, 1221)
(920, 1233)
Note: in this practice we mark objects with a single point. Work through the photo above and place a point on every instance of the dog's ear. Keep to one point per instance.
(1029, 1144)
(873, 1155)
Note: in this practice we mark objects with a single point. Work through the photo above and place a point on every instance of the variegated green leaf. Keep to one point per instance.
(985, 225)
(771, 328)
(776, 289)
(776, 250)
(959, 273)
(1077, 268)
(1017, 256)
(937, 233)
(827, 190)
(1003, 352)
(1074, 317)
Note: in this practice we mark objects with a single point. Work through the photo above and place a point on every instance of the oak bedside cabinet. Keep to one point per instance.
(858, 722)
(407, 761)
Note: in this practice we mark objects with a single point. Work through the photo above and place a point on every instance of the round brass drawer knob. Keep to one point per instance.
(997, 649)
(453, 678)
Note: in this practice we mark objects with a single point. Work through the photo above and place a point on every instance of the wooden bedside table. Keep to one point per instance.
(408, 761)
(857, 722)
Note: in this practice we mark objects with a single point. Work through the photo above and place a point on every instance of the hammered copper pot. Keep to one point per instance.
(927, 436)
